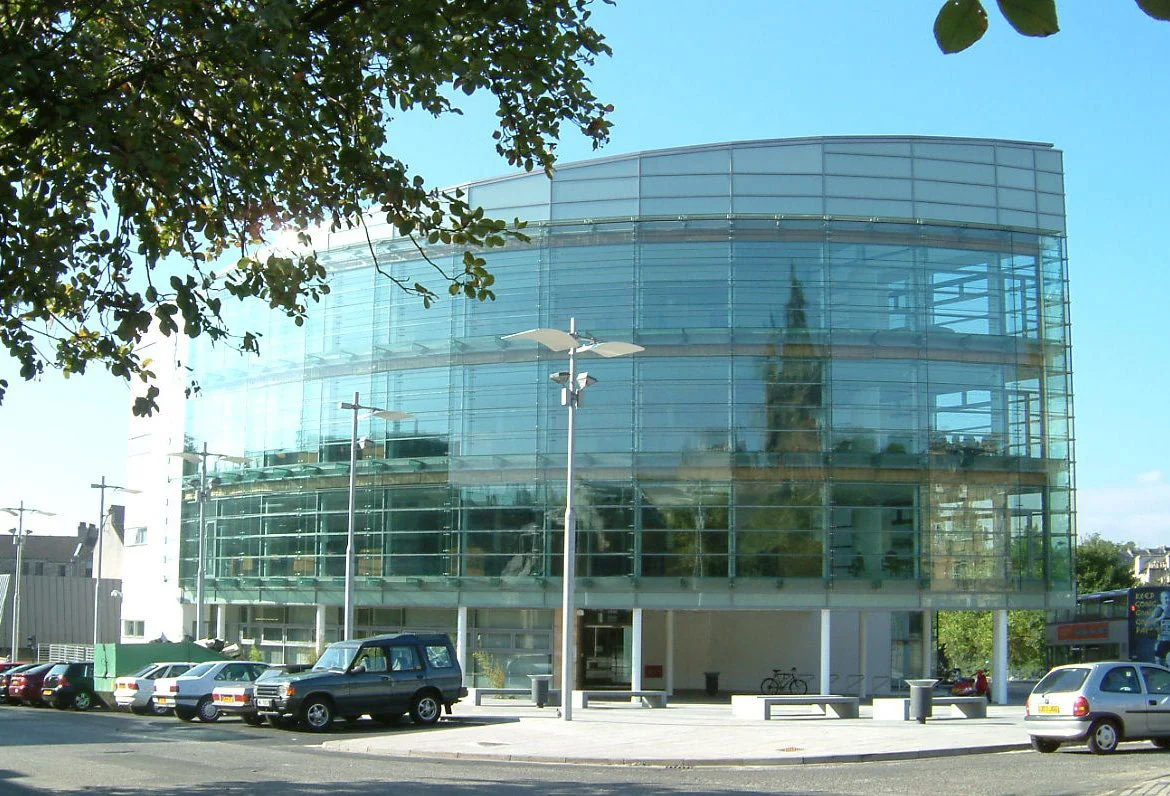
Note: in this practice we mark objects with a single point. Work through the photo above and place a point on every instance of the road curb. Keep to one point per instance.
(867, 757)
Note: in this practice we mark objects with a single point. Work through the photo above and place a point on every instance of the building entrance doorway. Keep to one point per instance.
(606, 647)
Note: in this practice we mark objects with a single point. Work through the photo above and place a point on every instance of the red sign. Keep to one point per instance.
(1083, 631)
(652, 670)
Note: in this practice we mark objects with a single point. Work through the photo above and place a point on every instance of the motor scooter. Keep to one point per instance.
(972, 686)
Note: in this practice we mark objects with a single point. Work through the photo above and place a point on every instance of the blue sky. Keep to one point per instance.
(687, 72)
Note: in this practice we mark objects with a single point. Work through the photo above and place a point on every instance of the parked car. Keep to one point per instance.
(135, 692)
(238, 700)
(190, 693)
(1100, 704)
(15, 669)
(24, 688)
(383, 677)
(70, 685)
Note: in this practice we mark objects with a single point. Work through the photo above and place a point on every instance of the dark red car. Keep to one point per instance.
(7, 669)
(24, 688)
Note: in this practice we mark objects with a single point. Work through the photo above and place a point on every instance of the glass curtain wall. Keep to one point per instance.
(819, 401)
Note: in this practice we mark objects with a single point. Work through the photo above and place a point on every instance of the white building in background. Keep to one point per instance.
(1151, 565)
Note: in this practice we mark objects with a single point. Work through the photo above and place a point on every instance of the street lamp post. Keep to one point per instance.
(200, 573)
(384, 414)
(572, 385)
(18, 539)
(97, 576)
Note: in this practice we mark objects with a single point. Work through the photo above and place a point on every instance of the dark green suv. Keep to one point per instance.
(70, 685)
(382, 677)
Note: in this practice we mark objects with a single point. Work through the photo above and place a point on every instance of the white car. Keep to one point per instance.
(136, 691)
(190, 694)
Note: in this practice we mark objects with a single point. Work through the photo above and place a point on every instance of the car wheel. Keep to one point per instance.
(253, 720)
(155, 709)
(184, 714)
(388, 719)
(137, 711)
(1104, 736)
(425, 709)
(1045, 745)
(1161, 743)
(83, 700)
(317, 714)
(206, 710)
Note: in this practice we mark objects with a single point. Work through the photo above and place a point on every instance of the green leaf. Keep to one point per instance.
(1158, 9)
(959, 24)
(1031, 17)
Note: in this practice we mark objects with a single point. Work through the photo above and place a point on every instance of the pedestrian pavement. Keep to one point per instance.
(688, 733)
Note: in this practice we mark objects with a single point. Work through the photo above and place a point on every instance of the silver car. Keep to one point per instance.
(190, 694)
(1101, 704)
(136, 691)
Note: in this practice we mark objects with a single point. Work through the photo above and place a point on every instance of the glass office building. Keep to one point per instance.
(855, 394)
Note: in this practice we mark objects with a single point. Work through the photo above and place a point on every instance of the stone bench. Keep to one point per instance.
(477, 694)
(751, 706)
(647, 699)
(961, 707)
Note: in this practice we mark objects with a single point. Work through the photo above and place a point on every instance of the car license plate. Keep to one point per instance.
(1050, 708)
(263, 703)
(163, 700)
(47, 692)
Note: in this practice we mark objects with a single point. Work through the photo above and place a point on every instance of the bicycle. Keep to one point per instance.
(782, 682)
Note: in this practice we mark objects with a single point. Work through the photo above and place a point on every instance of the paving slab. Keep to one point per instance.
(686, 734)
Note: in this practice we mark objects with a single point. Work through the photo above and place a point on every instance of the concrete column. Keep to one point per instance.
(999, 655)
(826, 651)
(221, 621)
(862, 656)
(319, 629)
(669, 667)
(461, 640)
(928, 667)
(636, 657)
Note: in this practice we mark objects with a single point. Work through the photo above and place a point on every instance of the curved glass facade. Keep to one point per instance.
(855, 391)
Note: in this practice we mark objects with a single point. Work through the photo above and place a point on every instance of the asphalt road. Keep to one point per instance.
(47, 751)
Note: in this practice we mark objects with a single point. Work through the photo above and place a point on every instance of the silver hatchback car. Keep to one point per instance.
(1101, 704)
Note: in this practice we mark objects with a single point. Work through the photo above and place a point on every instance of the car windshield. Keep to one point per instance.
(336, 657)
(1061, 680)
(145, 670)
(200, 670)
(59, 669)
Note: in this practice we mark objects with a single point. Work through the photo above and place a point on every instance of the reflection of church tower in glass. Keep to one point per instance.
(794, 380)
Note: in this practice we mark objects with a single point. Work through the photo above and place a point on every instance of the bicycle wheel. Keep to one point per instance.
(798, 686)
(769, 686)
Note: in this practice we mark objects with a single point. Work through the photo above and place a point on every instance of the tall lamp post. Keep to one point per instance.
(97, 576)
(19, 534)
(384, 414)
(572, 385)
(200, 573)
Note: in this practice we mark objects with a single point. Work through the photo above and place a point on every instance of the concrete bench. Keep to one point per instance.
(751, 706)
(961, 707)
(477, 694)
(647, 699)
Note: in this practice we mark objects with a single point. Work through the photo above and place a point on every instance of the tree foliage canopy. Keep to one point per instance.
(965, 637)
(1102, 566)
(961, 23)
(133, 133)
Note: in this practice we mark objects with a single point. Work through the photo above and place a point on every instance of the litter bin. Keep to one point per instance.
(712, 682)
(540, 686)
(921, 695)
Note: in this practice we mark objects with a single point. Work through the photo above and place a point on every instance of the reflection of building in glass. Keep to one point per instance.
(855, 395)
